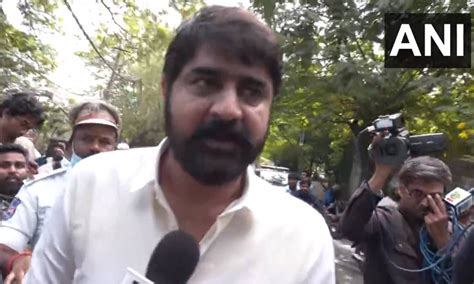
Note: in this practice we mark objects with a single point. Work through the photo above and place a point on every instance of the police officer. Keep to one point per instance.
(95, 129)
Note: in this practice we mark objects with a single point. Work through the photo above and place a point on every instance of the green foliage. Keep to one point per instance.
(23, 57)
(335, 83)
(135, 50)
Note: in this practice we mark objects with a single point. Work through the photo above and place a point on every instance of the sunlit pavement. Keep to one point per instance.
(347, 271)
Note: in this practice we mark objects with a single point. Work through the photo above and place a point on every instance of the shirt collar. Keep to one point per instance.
(149, 175)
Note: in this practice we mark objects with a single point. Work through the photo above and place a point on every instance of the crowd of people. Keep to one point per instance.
(80, 215)
(95, 126)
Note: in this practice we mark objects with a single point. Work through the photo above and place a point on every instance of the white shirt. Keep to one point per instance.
(114, 213)
(32, 207)
(48, 167)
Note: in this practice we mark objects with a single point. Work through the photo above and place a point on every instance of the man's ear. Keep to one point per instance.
(164, 87)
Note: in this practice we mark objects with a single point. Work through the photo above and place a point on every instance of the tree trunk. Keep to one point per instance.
(356, 169)
(360, 162)
(107, 92)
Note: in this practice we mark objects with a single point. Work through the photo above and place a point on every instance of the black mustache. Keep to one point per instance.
(224, 131)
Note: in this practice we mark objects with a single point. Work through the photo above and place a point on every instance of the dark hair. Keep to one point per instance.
(424, 168)
(53, 142)
(305, 181)
(293, 175)
(15, 148)
(23, 103)
(230, 29)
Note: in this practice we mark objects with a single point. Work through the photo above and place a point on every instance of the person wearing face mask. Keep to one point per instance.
(95, 129)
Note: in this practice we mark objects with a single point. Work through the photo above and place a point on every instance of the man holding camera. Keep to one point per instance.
(397, 239)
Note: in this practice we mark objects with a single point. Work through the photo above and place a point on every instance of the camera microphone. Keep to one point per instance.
(173, 261)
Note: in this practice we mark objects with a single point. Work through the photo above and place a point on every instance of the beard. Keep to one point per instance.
(10, 187)
(213, 165)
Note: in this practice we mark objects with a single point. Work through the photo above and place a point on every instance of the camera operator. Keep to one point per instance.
(392, 235)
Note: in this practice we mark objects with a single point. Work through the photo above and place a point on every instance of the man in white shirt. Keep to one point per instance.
(95, 129)
(221, 73)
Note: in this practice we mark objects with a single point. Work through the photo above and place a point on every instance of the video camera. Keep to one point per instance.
(397, 144)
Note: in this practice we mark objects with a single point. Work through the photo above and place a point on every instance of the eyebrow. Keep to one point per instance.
(207, 71)
(253, 81)
(217, 72)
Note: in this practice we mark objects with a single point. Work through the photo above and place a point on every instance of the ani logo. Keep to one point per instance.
(427, 40)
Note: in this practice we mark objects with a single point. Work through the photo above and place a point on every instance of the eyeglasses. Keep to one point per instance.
(419, 194)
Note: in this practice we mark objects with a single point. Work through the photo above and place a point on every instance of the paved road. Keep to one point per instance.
(347, 271)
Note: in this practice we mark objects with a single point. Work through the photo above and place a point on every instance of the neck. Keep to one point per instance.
(177, 183)
(3, 138)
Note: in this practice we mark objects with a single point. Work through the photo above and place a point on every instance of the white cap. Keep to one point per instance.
(95, 118)
(97, 121)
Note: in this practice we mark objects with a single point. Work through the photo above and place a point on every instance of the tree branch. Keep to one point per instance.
(113, 17)
(106, 92)
(90, 40)
(360, 49)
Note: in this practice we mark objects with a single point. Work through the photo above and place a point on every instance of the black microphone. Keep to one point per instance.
(174, 259)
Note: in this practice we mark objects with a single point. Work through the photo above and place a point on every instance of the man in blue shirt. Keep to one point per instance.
(292, 183)
(304, 194)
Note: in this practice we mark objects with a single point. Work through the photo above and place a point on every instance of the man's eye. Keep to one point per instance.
(20, 165)
(254, 92)
(87, 139)
(206, 83)
(252, 95)
(105, 142)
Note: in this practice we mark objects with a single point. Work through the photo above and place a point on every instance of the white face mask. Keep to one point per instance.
(74, 159)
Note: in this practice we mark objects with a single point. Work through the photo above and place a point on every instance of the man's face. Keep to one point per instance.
(304, 186)
(292, 182)
(18, 125)
(217, 115)
(413, 197)
(58, 153)
(13, 171)
(90, 139)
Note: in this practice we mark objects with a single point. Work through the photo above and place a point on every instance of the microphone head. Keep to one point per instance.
(174, 259)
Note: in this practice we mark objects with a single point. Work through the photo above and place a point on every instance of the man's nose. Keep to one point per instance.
(94, 147)
(12, 169)
(424, 201)
(227, 105)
